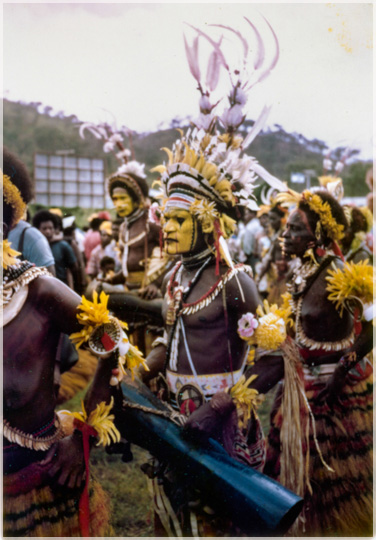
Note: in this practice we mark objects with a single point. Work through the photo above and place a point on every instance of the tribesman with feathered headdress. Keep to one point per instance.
(143, 264)
(201, 358)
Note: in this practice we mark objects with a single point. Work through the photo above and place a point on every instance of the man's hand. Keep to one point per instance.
(149, 293)
(333, 389)
(67, 459)
(208, 420)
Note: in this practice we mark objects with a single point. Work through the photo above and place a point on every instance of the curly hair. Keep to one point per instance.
(336, 210)
(358, 220)
(18, 174)
(45, 215)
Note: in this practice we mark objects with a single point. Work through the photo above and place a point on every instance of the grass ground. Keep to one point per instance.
(126, 483)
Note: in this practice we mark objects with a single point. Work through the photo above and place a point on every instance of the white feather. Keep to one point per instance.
(273, 181)
(257, 127)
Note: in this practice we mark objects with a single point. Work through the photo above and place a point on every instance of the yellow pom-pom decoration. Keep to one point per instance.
(101, 420)
(8, 255)
(355, 281)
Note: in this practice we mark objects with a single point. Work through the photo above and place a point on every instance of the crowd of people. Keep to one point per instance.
(223, 300)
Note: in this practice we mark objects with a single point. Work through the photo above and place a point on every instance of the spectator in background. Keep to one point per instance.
(92, 237)
(106, 247)
(262, 238)
(354, 243)
(272, 272)
(107, 267)
(70, 236)
(65, 259)
(248, 237)
(116, 228)
(26, 239)
(235, 248)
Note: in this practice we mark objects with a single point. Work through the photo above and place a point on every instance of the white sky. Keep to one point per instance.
(129, 59)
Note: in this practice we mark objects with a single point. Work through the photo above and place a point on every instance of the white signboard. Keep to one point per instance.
(297, 178)
(69, 181)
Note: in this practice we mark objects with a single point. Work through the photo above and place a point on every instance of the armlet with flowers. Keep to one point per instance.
(105, 334)
(267, 331)
(99, 423)
(351, 288)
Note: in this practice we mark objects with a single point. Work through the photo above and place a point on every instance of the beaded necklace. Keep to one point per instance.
(34, 441)
(16, 276)
(176, 294)
(176, 300)
(302, 279)
(305, 274)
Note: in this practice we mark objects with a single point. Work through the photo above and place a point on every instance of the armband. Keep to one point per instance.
(105, 334)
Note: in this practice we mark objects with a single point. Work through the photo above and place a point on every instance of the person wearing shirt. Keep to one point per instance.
(64, 256)
(107, 247)
(32, 245)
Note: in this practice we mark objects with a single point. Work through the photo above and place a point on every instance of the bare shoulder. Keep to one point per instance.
(53, 295)
(241, 291)
(321, 280)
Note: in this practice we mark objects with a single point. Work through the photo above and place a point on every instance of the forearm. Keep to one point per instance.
(361, 347)
(117, 279)
(100, 388)
(269, 371)
(155, 362)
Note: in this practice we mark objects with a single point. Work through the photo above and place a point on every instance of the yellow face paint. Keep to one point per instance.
(123, 202)
(179, 231)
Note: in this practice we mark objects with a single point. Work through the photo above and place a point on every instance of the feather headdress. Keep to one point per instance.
(330, 179)
(130, 172)
(207, 163)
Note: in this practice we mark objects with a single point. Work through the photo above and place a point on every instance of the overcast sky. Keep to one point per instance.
(129, 59)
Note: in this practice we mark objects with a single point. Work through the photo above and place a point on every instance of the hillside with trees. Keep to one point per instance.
(33, 127)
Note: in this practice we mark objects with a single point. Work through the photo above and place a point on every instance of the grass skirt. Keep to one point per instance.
(341, 503)
(32, 507)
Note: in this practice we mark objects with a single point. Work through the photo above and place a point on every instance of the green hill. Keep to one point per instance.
(32, 127)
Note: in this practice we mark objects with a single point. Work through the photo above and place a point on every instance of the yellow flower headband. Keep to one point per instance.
(12, 196)
(334, 230)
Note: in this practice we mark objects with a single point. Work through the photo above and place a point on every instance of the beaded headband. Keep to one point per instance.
(128, 182)
(208, 165)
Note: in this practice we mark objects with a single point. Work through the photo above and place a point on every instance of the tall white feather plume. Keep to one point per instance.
(257, 127)
(273, 181)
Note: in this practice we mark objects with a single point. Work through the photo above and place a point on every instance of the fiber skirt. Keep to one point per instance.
(31, 507)
(341, 503)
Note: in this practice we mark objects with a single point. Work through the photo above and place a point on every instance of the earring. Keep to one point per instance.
(310, 254)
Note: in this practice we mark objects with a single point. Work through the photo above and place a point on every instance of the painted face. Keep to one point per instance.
(123, 202)
(297, 234)
(179, 231)
(47, 228)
